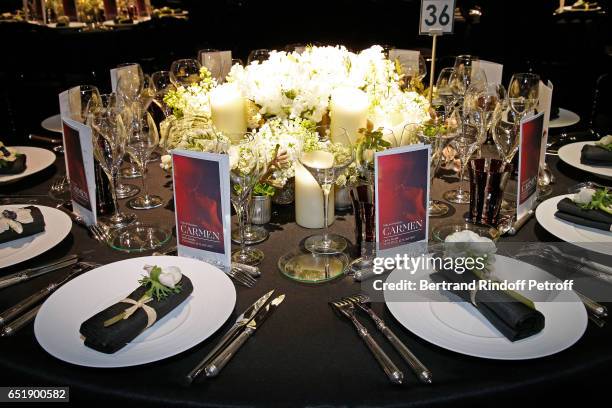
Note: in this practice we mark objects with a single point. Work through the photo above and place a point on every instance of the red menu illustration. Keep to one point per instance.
(76, 167)
(402, 194)
(529, 162)
(201, 200)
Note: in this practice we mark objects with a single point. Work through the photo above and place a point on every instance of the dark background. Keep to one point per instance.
(36, 63)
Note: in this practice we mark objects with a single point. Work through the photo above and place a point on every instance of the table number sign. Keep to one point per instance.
(529, 163)
(402, 196)
(78, 151)
(202, 205)
(437, 17)
(545, 93)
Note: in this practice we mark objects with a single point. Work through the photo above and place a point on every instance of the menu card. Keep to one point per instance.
(219, 63)
(492, 70)
(529, 163)
(545, 93)
(202, 206)
(402, 196)
(78, 152)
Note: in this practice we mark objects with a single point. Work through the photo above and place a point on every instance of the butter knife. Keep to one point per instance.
(17, 309)
(213, 369)
(30, 273)
(240, 323)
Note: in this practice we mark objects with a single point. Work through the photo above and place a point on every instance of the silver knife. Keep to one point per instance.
(240, 323)
(19, 322)
(213, 369)
(14, 311)
(30, 273)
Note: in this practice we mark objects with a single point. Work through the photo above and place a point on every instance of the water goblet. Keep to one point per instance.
(523, 94)
(444, 92)
(465, 144)
(185, 72)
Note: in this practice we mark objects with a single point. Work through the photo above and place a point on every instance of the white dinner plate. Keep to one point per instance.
(566, 118)
(589, 238)
(57, 226)
(570, 154)
(459, 327)
(52, 123)
(37, 159)
(72, 24)
(197, 318)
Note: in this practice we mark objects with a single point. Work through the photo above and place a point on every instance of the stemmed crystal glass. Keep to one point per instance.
(479, 106)
(326, 167)
(109, 140)
(142, 140)
(523, 94)
(504, 133)
(248, 164)
(260, 55)
(90, 100)
(253, 234)
(465, 144)
(438, 137)
(161, 84)
(444, 90)
(185, 72)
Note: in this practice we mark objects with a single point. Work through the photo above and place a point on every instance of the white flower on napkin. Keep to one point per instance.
(584, 196)
(468, 244)
(170, 276)
(606, 140)
(14, 218)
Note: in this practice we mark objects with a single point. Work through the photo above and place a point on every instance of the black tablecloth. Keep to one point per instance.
(305, 354)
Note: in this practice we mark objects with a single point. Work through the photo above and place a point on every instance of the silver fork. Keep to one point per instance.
(58, 185)
(241, 277)
(99, 233)
(347, 309)
(422, 372)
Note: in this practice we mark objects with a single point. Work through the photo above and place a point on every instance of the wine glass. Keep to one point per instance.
(142, 140)
(444, 90)
(109, 140)
(465, 144)
(326, 167)
(438, 137)
(480, 104)
(90, 100)
(523, 94)
(247, 165)
(259, 55)
(185, 72)
(505, 134)
(161, 84)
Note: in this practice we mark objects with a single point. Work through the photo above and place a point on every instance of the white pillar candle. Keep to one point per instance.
(348, 111)
(227, 109)
(309, 195)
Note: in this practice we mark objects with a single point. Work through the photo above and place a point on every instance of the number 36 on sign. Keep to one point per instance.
(437, 16)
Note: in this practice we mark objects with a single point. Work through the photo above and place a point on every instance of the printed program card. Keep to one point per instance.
(493, 71)
(529, 163)
(117, 73)
(78, 153)
(219, 63)
(202, 206)
(544, 105)
(402, 196)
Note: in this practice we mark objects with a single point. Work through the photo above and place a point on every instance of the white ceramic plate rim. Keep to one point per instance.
(52, 123)
(566, 118)
(57, 227)
(209, 306)
(419, 318)
(37, 159)
(570, 154)
(588, 238)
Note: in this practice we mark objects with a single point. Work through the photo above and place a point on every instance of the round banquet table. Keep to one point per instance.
(304, 355)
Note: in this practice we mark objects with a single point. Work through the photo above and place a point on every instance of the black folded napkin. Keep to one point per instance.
(13, 167)
(34, 227)
(113, 338)
(570, 211)
(595, 155)
(512, 318)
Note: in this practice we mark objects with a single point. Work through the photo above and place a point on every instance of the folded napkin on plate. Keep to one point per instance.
(595, 155)
(114, 337)
(569, 211)
(13, 167)
(29, 228)
(512, 318)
